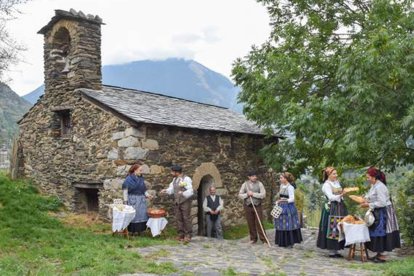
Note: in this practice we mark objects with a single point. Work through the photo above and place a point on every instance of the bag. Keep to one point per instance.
(369, 218)
(276, 211)
(332, 231)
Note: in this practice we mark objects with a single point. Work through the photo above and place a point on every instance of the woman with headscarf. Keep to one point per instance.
(332, 212)
(135, 194)
(384, 232)
(287, 224)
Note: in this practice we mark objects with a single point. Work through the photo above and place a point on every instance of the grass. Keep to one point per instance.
(35, 243)
(403, 267)
(242, 231)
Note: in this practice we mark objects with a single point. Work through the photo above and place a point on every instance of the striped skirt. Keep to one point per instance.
(384, 233)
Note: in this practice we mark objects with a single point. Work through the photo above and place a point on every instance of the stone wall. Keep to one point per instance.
(101, 148)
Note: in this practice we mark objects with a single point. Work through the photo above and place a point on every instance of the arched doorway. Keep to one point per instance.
(202, 191)
(204, 176)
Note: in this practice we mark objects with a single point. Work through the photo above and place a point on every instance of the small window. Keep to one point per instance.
(62, 123)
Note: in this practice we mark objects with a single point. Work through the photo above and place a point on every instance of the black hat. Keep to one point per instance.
(176, 168)
(251, 173)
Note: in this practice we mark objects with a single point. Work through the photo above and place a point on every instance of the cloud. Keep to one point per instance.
(210, 34)
(129, 55)
(207, 35)
(185, 38)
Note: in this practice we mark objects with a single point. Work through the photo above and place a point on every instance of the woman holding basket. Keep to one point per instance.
(332, 212)
(287, 223)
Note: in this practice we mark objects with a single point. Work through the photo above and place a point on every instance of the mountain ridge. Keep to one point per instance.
(177, 77)
(12, 108)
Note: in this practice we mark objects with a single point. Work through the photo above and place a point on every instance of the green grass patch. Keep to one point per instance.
(242, 231)
(35, 243)
(403, 267)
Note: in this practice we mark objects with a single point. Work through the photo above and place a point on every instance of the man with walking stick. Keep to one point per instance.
(253, 192)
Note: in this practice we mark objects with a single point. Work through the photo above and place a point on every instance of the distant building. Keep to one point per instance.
(4, 157)
(79, 140)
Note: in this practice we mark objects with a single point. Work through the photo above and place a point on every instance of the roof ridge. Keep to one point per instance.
(167, 96)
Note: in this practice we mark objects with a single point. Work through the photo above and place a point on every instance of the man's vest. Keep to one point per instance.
(179, 198)
(213, 205)
(255, 188)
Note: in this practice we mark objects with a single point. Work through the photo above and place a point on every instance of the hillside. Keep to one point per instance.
(180, 78)
(12, 108)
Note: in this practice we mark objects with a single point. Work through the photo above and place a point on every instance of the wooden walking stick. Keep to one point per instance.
(260, 223)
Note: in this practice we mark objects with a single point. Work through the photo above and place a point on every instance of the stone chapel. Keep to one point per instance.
(78, 141)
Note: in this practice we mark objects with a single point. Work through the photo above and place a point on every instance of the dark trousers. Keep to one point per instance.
(253, 223)
(182, 215)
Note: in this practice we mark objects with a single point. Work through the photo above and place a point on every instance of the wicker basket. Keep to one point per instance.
(156, 213)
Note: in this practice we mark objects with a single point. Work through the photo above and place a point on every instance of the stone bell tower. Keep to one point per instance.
(72, 52)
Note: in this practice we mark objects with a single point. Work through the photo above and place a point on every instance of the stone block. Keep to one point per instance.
(155, 169)
(107, 184)
(145, 169)
(118, 135)
(122, 170)
(132, 131)
(113, 184)
(135, 153)
(113, 154)
(150, 144)
(222, 192)
(194, 211)
(128, 142)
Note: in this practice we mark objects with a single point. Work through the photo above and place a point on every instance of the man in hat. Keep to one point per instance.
(212, 206)
(182, 189)
(253, 192)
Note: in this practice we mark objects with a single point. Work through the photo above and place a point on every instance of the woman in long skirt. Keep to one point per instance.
(384, 233)
(332, 212)
(135, 194)
(287, 224)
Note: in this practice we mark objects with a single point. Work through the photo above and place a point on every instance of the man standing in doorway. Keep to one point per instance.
(253, 192)
(212, 205)
(182, 189)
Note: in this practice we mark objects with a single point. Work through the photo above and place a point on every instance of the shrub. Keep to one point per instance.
(405, 207)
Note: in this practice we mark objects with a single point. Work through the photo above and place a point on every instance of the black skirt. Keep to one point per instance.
(288, 238)
(338, 210)
(137, 227)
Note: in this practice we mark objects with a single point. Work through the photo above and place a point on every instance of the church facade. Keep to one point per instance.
(79, 140)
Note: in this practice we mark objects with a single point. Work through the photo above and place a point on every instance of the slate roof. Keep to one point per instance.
(151, 108)
(71, 14)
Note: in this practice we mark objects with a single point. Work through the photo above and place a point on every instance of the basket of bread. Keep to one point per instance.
(351, 189)
(352, 220)
(156, 213)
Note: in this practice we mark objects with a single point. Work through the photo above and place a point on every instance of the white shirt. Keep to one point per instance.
(291, 192)
(378, 196)
(188, 187)
(327, 190)
(213, 197)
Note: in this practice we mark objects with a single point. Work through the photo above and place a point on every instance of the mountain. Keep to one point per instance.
(12, 108)
(175, 77)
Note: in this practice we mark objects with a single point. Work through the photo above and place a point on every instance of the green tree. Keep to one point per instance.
(8, 46)
(336, 78)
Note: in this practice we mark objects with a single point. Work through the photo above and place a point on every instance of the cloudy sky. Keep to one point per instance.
(212, 32)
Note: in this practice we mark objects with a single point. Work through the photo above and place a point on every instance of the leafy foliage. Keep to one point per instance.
(405, 207)
(8, 47)
(335, 78)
